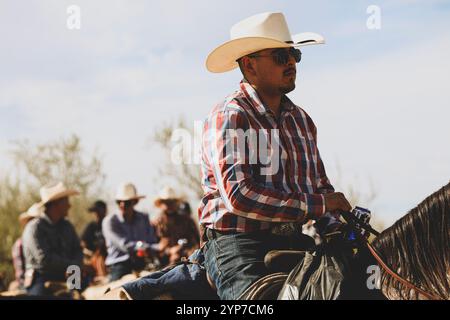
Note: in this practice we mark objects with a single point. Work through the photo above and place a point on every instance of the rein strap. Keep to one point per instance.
(399, 278)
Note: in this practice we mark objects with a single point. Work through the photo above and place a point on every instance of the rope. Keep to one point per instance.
(262, 287)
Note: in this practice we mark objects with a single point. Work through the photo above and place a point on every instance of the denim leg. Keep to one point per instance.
(120, 269)
(235, 261)
(38, 289)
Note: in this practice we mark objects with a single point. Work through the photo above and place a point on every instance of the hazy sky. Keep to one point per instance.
(380, 98)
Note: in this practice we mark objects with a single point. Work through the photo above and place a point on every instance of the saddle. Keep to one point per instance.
(283, 260)
(279, 263)
(318, 273)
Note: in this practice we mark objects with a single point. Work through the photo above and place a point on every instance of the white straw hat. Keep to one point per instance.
(127, 191)
(54, 192)
(262, 31)
(167, 193)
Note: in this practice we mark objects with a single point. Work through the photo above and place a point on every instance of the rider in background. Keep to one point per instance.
(17, 249)
(92, 239)
(50, 243)
(178, 233)
(126, 233)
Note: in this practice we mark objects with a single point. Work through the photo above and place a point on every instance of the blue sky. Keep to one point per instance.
(379, 98)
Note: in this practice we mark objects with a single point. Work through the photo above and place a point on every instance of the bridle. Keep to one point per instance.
(352, 220)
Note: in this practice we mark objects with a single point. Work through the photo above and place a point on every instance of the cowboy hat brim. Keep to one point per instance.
(223, 58)
(26, 216)
(129, 198)
(33, 212)
(60, 195)
(158, 201)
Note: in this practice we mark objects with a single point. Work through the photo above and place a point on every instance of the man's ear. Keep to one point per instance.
(248, 66)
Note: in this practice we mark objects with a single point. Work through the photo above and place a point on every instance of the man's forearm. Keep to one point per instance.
(254, 201)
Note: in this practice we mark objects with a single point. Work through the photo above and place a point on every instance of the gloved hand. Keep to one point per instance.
(328, 223)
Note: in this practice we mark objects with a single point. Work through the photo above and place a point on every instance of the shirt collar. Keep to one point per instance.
(252, 96)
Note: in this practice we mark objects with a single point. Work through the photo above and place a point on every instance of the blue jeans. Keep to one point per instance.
(185, 281)
(235, 261)
(37, 289)
(118, 270)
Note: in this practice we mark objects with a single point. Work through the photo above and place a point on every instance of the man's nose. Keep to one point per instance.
(291, 61)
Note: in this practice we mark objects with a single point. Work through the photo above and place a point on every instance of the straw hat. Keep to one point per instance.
(166, 194)
(36, 210)
(127, 191)
(262, 31)
(55, 192)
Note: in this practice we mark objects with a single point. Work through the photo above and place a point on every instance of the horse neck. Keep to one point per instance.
(414, 248)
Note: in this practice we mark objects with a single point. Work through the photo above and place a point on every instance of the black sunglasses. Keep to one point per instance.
(281, 56)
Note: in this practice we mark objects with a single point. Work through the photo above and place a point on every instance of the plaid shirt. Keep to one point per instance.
(244, 195)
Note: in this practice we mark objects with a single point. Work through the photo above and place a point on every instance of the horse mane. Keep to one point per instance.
(417, 247)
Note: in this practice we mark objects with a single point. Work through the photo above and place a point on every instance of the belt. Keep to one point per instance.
(214, 234)
(211, 234)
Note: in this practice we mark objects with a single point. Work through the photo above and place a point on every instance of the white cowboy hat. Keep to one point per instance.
(55, 192)
(167, 193)
(36, 210)
(258, 32)
(127, 191)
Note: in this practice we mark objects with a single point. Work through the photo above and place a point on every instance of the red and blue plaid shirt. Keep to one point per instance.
(244, 195)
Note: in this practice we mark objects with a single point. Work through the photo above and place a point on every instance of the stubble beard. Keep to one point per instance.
(286, 89)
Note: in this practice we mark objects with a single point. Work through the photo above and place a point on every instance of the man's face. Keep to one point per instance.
(126, 207)
(62, 207)
(100, 213)
(271, 76)
(169, 206)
